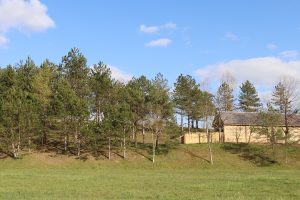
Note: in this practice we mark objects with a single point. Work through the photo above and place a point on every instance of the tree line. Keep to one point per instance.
(86, 109)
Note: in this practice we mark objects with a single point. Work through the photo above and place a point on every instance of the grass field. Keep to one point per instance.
(239, 172)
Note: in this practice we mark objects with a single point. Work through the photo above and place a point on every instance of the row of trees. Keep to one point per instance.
(85, 109)
(80, 108)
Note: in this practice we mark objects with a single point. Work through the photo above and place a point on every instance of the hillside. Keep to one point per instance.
(182, 172)
(226, 156)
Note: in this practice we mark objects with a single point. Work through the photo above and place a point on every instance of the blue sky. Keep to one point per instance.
(200, 38)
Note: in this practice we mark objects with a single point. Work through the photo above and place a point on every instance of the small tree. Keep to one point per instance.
(223, 102)
(208, 109)
(286, 99)
(161, 110)
(270, 120)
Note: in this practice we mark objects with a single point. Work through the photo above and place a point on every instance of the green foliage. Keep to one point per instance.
(270, 119)
(248, 98)
(186, 94)
(137, 96)
(224, 98)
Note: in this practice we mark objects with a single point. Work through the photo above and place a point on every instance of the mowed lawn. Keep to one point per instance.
(172, 177)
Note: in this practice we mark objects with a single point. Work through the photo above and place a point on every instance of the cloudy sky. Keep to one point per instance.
(252, 39)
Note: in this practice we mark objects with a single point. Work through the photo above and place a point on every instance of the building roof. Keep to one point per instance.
(253, 119)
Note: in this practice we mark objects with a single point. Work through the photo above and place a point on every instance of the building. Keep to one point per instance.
(243, 127)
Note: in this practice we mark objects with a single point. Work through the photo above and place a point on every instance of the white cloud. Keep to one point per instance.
(292, 54)
(149, 29)
(3, 40)
(22, 15)
(117, 74)
(265, 96)
(163, 42)
(263, 71)
(232, 37)
(156, 29)
(271, 46)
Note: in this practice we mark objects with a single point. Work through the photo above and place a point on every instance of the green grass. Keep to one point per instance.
(239, 172)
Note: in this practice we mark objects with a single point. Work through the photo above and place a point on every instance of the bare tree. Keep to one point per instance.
(208, 110)
(286, 100)
(228, 77)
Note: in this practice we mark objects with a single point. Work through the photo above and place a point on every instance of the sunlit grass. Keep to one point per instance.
(182, 173)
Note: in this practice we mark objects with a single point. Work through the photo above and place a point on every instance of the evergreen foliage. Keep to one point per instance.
(75, 109)
(248, 98)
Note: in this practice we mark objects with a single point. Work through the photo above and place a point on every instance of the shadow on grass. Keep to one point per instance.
(4, 155)
(250, 153)
(195, 155)
(146, 149)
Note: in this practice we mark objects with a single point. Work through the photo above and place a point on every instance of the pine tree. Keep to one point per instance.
(28, 111)
(161, 109)
(137, 96)
(184, 97)
(223, 102)
(74, 69)
(248, 98)
(9, 112)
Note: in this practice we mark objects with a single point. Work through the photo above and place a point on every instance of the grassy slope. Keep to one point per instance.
(240, 172)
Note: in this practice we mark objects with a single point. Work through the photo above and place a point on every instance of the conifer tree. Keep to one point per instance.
(248, 98)
(183, 97)
(161, 110)
(224, 102)
(137, 96)
(225, 98)
(74, 69)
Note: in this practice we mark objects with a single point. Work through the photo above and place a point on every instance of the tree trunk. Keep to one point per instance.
(42, 139)
(135, 138)
(45, 137)
(75, 137)
(181, 120)
(78, 146)
(133, 134)
(14, 150)
(66, 137)
(109, 148)
(156, 141)
(209, 146)
(29, 144)
(208, 135)
(153, 148)
(286, 148)
(210, 154)
(197, 125)
(189, 127)
(221, 135)
(143, 130)
(124, 145)
(250, 134)
(65, 142)
(286, 133)
(272, 138)
(19, 139)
